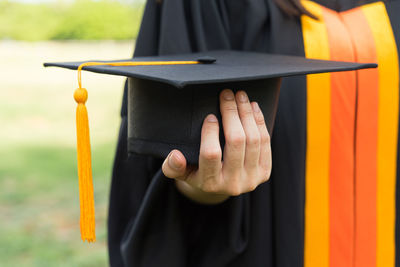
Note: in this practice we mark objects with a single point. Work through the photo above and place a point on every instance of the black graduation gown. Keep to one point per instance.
(150, 223)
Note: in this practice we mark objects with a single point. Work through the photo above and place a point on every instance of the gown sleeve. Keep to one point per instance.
(150, 223)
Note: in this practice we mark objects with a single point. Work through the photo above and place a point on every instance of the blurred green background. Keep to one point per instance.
(39, 200)
(76, 20)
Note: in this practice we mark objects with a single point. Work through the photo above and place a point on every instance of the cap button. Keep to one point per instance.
(206, 60)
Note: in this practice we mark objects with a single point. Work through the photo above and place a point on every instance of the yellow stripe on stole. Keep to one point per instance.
(316, 45)
(388, 113)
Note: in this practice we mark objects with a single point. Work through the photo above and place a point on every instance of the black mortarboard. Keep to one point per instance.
(167, 104)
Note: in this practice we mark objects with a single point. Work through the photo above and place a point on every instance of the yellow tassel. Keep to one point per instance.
(86, 196)
(87, 219)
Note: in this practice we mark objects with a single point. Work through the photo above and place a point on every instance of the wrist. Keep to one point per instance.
(198, 195)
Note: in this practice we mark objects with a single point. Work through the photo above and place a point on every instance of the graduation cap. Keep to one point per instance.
(169, 97)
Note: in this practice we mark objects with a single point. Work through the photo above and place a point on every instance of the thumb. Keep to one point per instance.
(174, 165)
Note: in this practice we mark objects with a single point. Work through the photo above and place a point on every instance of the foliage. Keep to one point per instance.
(78, 20)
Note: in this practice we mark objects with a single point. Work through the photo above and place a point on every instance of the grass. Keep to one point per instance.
(39, 222)
(39, 200)
(76, 20)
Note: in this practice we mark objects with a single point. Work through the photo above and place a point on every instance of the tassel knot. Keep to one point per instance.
(80, 95)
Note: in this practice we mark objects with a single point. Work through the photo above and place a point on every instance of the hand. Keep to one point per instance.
(247, 154)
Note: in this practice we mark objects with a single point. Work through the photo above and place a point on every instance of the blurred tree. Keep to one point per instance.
(78, 20)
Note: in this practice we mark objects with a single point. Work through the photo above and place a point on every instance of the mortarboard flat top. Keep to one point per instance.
(230, 66)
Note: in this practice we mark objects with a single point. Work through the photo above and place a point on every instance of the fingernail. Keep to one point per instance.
(173, 161)
(211, 118)
(242, 97)
(256, 108)
(228, 95)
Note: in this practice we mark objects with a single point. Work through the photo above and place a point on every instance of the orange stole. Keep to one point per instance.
(317, 223)
(341, 180)
(388, 106)
(351, 139)
(366, 142)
